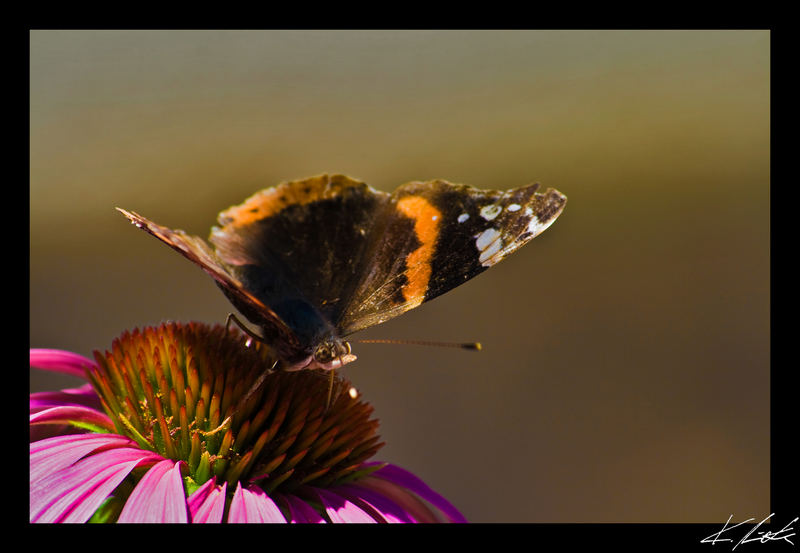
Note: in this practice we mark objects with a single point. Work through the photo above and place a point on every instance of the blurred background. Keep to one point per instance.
(625, 370)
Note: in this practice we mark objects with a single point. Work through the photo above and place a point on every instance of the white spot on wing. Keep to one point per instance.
(489, 252)
(514, 207)
(489, 243)
(463, 217)
(491, 211)
(486, 237)
(535, 226)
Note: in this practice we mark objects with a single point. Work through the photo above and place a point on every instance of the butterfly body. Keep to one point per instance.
(312, 261)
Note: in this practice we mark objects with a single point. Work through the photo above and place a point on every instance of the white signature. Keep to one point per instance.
(763, 537)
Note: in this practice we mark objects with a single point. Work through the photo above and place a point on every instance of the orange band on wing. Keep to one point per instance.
(426, 226)
(271, 201)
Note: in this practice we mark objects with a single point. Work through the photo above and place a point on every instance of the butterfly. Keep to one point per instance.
(313, 261)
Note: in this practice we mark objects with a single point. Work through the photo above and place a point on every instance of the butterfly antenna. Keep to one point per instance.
(474, 346)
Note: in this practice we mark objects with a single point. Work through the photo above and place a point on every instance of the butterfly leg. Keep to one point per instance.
(253, 389)
(240, 324)
(330, 388)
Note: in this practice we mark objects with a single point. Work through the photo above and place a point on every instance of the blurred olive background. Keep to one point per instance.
(625, 370)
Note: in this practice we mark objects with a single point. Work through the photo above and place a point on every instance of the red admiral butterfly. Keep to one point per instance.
(313, 261)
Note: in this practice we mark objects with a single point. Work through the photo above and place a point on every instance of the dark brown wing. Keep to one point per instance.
(438, 235)
(199, 252)
(302, 247)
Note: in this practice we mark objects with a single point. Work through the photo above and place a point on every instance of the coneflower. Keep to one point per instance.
(186, 423)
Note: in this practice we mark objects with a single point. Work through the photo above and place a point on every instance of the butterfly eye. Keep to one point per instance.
(324, 353)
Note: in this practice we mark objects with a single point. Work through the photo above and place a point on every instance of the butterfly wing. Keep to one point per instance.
(436, 236)
(326, 256)
(300, 247)
(198, 251)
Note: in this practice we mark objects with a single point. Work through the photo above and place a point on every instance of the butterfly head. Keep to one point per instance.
(330, 354)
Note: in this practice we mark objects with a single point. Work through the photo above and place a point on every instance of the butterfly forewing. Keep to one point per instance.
(439, 235)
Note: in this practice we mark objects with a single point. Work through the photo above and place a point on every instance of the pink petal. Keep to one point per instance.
(300, 511)
(158, 497)
(84, 396)
(51, 455)
(340, 509)
(253, 505)
(405, 499)
(60, 361)
(68, 414)
(407, 480)
(199, 496)
(389, 510)
(74, 493)
(207, 503)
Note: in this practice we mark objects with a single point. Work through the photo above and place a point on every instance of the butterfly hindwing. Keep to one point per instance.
(300, 247)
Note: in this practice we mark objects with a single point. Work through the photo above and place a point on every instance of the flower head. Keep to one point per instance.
(186, 423)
